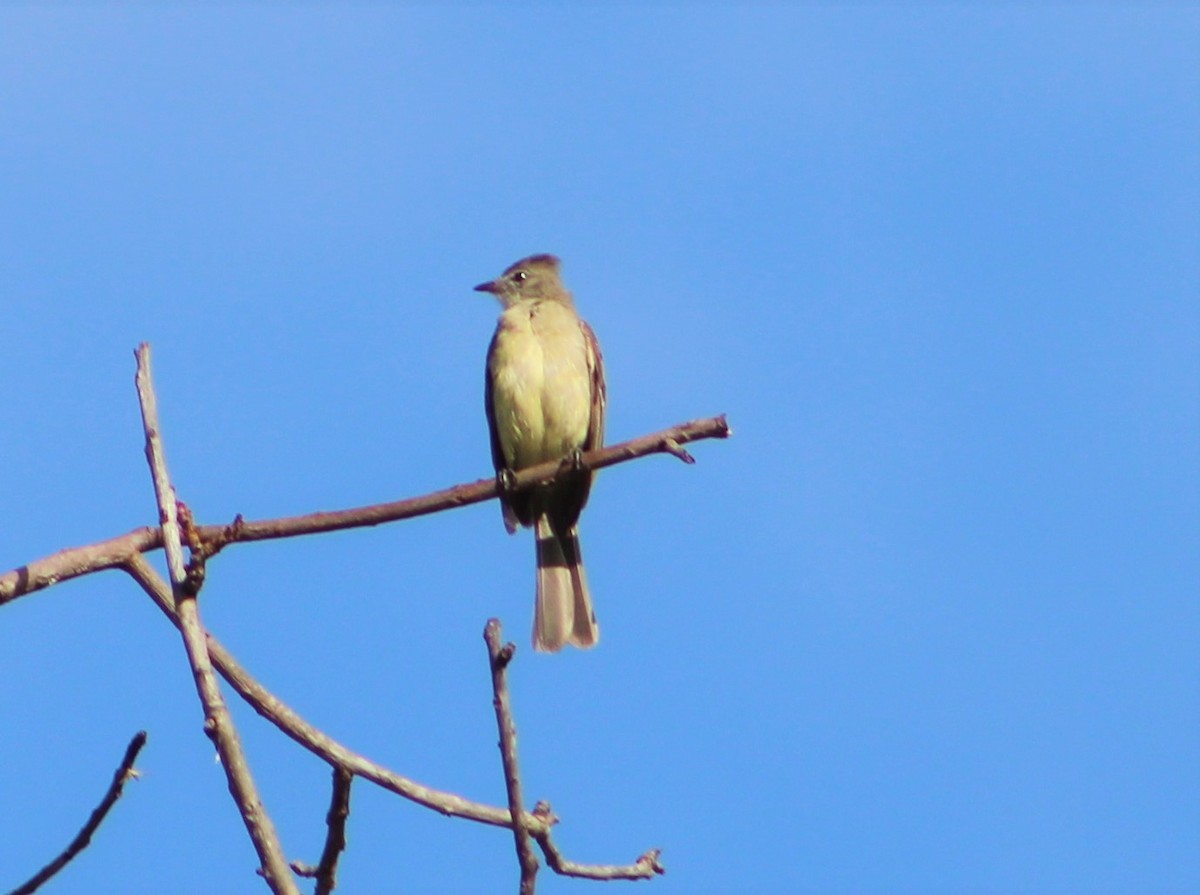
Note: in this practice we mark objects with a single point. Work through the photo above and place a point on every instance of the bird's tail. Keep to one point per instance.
(564, 607)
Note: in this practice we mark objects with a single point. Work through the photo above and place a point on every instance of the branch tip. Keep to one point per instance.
(651, 859)
(123, 774)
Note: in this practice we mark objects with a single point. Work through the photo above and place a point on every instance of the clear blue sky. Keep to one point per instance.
(929, 622)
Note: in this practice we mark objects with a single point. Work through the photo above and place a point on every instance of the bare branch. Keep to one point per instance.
(177, 601)
(218, 723)
(499, 657)
(646, 867)
(76, 561)
(667, 441)
(83, 838)
(116, 552)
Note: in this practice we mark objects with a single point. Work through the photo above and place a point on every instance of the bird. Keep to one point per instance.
(545, 397)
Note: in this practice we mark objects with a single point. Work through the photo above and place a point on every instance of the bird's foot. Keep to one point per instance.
(506, 482)
(572, 462)
(506, 487)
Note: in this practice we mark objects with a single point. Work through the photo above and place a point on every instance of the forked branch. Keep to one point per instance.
(218, 723)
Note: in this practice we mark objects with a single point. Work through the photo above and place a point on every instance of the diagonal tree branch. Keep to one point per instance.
(315, 741)
(83, 838)
(218, 723)
(116, 552)
(499, 656)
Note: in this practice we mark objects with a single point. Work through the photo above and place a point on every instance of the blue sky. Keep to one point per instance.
(928, 622)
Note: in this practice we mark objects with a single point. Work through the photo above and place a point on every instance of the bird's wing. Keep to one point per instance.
(498, 460)
(595, 364)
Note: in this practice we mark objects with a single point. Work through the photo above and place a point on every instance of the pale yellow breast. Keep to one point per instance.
(541, 387)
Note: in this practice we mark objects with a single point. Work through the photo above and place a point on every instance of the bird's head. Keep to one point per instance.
(529, 279)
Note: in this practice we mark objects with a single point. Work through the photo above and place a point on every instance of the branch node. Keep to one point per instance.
(651, 860)
(543, 812)
(505, 655)
(189, 534)
(223, 537)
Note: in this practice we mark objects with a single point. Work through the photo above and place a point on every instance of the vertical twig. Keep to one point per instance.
(335, 838)
(500, 656)
(83, 838)
(218, 724)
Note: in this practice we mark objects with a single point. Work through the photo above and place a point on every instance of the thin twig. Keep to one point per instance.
(116, 552)
(335, 836)
(645, 867)
(218, 723)
(83, 838)
(499, 657)
(325, 872)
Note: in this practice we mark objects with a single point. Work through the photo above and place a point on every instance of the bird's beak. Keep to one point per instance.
(487, 287)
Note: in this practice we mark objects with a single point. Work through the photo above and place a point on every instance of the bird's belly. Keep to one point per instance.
(542, 400)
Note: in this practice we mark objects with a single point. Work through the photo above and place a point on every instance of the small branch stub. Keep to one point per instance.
(673, 447)
(505, 655)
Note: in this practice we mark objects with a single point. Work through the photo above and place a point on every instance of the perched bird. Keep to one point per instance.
(545, 399)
